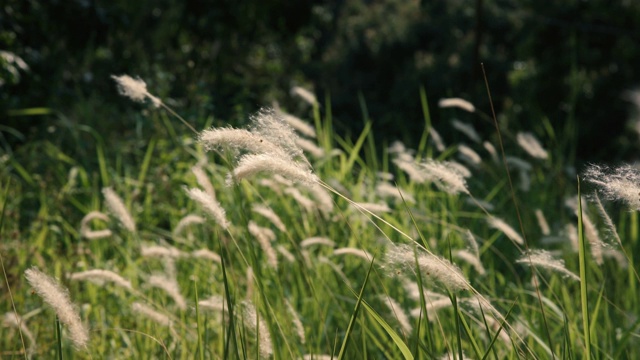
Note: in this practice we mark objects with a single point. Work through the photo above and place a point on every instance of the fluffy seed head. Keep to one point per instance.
(531, 145)
(160, 251)
(499, 224)
(305, 95)
(100, 277)
(264, 237)
(207, 254)
(620, 183)
(353, 251)
(134, 89)
(469, 155)
(437, 139)
(252, 164)
(254, 322)
(186, 221)
(301, 126)
(542, 222)
(466, 129)
(85, 229)
(212, 207)
(117, 208)
(431, 266)
(316, 240)
(458, 103)
(543, 259)
(445, 177)
(58, 298)
(150, 313)
(170, 285)
(398, 312)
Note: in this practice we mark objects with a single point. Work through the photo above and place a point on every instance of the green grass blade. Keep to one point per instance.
(354, 315)
(394, 335)
(582, 254)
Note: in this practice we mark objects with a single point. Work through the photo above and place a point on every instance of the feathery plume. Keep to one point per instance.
(239, 139)
(445, 177)
(255, 323)
(353, 251)
(299, 125)
(268, 213)
(471, 259)
(384, 189)
(469, 155)
(492, 151)
(117, 208)
(203, 181)
(186, 221)
(543, 259)
(310, 147)
(398, 313)
(437, 139)
(134, 89)
(416, 174)
(286, 253)
(305, 95)
(215, 303)
(466, 129)
(267, 124)
(160, 251)
(264, 237)
(297, 323)
(85, 229)
(500, 225)
(150, 313)
(58, 298)
(170, 285)
(14, 320)
(207, 254)
(621, 183)
(384, 176)
(458, 103)
(473, 243)
(431, 266)
(212, 207)
(304, 202)
(542, 222)
(316, 240)
(531, 145)
(323, 198)
(100, 277)
(252, 164)
(376, 208)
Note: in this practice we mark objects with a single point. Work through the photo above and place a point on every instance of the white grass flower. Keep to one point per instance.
(239, 139)
(519, 164)
(397, 147)
(469, 155)
(621, 183)
(252, 164)
(304, 202)
(542, 223)
(170, 285)
(299, 125)
(16, 321)
(203, 181)
(155, 251)
(385, 176)
(416, 174)
(399, 313)
(305, 95)
(186, 221)
(211, 206)
(150, 313)
(445, 177)
(460, 169)
(432, 267)
(134, 89)
(207, 255)
(317, 240)
(355, 252)
(473, 243)
(571, 232)
(310, 147)
(85, 229)
(543, 259)
(286, 253)
(437, 139)
(470, 259)
(117, 208)
(457, 103)
(323, 198)
(268, 213)
(500, 225)
(590, 230)
(531, 145)
(267, 124)
(466, 129)
(492, 151)
(100, 277)
(58, 298)
(297, 323)
(337, 269)
(264, 237)
(255, 323)
(214, 303)
(384, 189)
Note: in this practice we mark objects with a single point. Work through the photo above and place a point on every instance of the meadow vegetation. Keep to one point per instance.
(284, 240)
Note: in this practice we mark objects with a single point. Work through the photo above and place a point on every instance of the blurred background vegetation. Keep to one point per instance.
(570, 62)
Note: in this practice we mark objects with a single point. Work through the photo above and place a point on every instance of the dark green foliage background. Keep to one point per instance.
(570, 61)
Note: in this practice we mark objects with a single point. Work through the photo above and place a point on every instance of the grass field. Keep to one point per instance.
(236, 243)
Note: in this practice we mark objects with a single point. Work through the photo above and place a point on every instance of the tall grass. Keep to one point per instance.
(279, 256)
